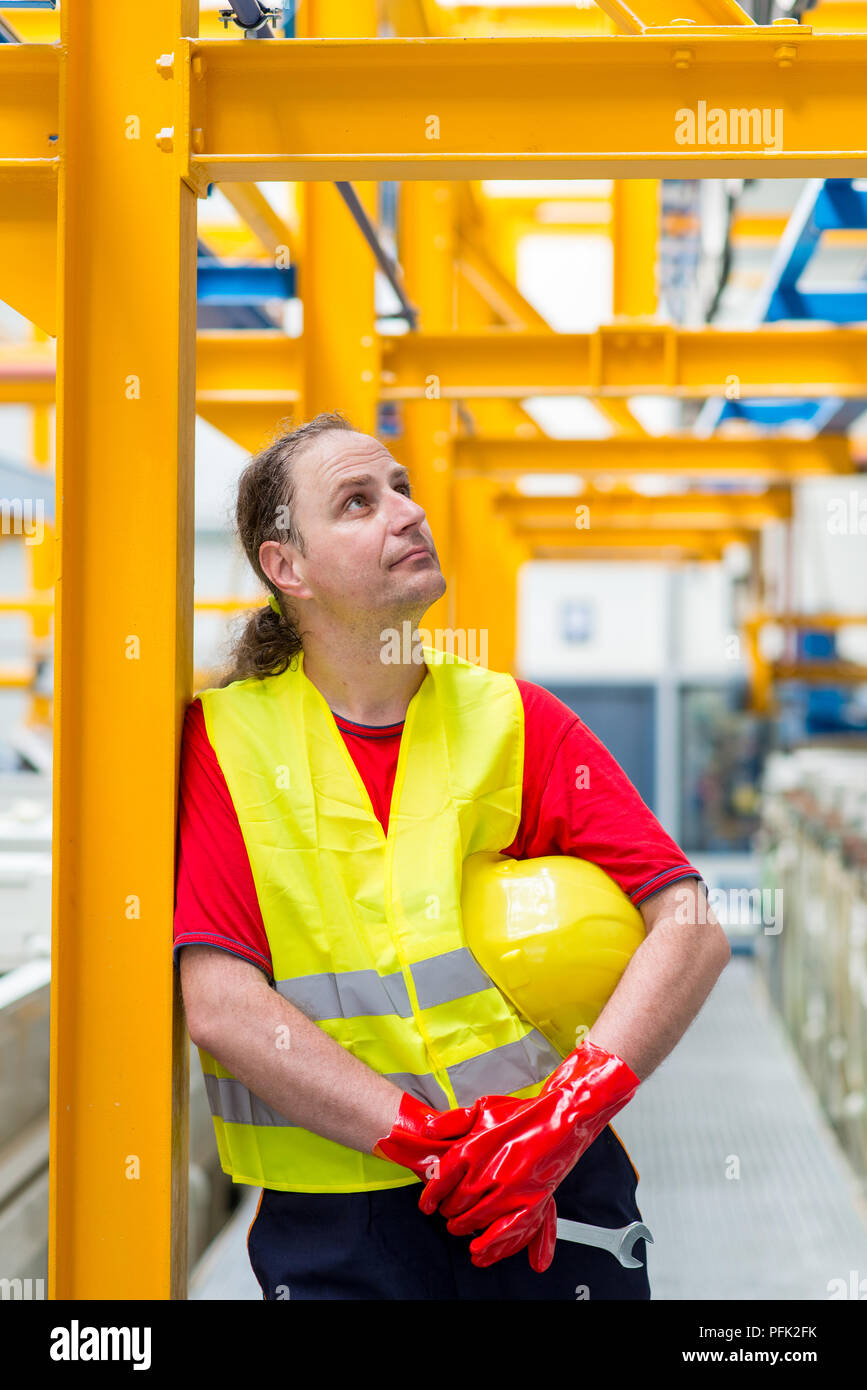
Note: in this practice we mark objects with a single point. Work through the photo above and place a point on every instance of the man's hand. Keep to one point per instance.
(420, 1135)
(501, 1177)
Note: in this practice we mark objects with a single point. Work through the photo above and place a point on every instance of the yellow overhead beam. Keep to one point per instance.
(464, 108)
(29, 86)
(771, 456)
(637, 18)
(838, 16)
(28, 248)
(499, 292)
(704, 509)
(479, 268)
(43, 26)
(247, 381)
(28, 370)
(255, 211)
(708, 552)
(240, 371)
(808, 620)
(626, 360)
(425, 18)
(615, 537)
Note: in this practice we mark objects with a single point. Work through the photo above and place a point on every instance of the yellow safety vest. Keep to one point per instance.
(365, 929)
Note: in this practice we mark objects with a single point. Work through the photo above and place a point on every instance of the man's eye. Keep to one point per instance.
(356, 497)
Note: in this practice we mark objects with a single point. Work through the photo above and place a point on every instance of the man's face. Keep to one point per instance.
(353, 506)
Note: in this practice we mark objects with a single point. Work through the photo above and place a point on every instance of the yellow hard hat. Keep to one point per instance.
(555, 935)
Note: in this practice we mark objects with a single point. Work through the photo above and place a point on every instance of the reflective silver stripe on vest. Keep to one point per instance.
(351, 994)
(355, 993)
(453, 975)
(504, 1069)
(495, 1073)
(230, 1100)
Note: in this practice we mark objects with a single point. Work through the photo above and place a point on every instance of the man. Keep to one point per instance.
(351, 1047)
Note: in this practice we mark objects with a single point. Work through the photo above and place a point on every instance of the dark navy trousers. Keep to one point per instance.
(376, 1245)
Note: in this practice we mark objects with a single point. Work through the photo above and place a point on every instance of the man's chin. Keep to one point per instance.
(426, 584)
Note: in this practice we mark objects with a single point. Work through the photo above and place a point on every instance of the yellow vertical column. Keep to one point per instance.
(635, 236)
(487, 553)
(488, 558)
(124, 622)
(426, 250)
(635, 243)
(336, 279)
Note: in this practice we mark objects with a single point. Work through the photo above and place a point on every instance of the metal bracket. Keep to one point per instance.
(269, 15)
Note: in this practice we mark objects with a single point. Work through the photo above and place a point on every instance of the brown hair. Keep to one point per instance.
(266, 492)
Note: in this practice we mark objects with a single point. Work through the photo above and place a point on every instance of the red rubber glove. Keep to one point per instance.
(421, 1135)
(501, 1177)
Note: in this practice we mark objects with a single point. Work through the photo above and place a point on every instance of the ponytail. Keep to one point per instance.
(269, 641)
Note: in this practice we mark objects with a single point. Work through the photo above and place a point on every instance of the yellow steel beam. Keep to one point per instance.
(424, 18)
(426, 232)
(765, 229)
(501, 293)
(464, 108)
(43, 26)
(255, 211)
(29, 82)
(764, 672)
(123, 664)
(28, 246)
(636, 19)
(486, 554)
(622, 360)
(635, 214)
(340, 346)
(489, 555)
(487, 107)
(29, 87)
(247, 381)
(709, 552)
(264, 367)
(589, 215)
(820, 672)
(480, 270)
(808, 620)
(838, 16)
(701, 509)
(614, 537)
(28, 372)
(772, 456)
(477, 306)
(227, 239)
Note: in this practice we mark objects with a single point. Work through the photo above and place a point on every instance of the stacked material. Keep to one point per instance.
(813, 844)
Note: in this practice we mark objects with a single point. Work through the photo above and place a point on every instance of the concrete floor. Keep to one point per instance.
(733, 1089)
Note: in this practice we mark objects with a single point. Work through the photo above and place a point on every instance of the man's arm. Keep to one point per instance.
(667, 980)
(234, 1014)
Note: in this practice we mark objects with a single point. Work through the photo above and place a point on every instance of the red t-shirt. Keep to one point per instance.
(576, 800)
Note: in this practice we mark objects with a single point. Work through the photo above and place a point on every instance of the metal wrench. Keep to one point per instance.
(619, 1241)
